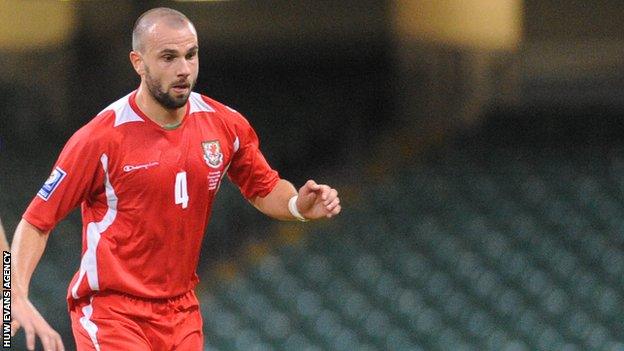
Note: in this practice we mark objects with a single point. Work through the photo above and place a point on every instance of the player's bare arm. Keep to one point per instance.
(28, 245)
(314, 201)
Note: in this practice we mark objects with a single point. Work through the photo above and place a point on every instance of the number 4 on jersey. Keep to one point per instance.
(181, 194)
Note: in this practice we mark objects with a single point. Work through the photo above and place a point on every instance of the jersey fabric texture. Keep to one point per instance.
(146, 193)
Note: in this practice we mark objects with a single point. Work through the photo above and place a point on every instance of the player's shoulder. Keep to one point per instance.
(219, 109)
(117, 114)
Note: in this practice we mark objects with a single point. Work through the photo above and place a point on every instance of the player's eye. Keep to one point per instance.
(190, 55)
(168, 58)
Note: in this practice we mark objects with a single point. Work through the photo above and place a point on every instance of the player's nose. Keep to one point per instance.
(184, 68)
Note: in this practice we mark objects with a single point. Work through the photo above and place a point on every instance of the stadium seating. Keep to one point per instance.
(516, 251)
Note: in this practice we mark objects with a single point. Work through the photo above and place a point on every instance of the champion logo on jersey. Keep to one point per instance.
(52, 183)
(130, 168)
(212, 153)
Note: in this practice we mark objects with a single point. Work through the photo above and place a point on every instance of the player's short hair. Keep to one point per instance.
(148, 18)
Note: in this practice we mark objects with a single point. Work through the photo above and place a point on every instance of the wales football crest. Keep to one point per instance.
(212, 153)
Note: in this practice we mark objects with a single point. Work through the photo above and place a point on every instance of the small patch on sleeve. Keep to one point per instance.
(52, 183)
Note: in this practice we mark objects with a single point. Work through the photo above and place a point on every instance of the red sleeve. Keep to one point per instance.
(249, 169)
(70, 182)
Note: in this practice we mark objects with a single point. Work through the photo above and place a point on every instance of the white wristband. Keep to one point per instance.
(292, 207)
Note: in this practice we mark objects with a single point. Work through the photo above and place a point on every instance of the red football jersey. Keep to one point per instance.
(146, 193)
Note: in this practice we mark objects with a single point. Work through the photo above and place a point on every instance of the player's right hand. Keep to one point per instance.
(25, 315)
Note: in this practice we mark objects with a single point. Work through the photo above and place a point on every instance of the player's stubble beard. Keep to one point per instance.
(166, 100)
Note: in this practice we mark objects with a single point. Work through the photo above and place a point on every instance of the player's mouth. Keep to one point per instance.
(181, 88)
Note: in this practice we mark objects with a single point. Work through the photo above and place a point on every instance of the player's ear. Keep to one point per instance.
(137, 62)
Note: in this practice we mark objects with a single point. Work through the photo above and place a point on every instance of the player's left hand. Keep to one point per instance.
(318, 201)
(26, 316)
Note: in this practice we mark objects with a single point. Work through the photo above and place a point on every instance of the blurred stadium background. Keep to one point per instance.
(478, 146)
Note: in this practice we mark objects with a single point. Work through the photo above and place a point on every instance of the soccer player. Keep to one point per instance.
(145, 171)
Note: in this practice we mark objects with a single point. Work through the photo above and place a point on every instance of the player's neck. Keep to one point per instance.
(155, 111)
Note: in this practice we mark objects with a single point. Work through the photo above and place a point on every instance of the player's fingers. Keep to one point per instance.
(46, 342)
(309, 190)
(59, 343)
(56, 344)
(324, 190)
(330, 195)
(312, 185)
(333, 204)
(334, 212)
(30, 337)
(14, 327)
